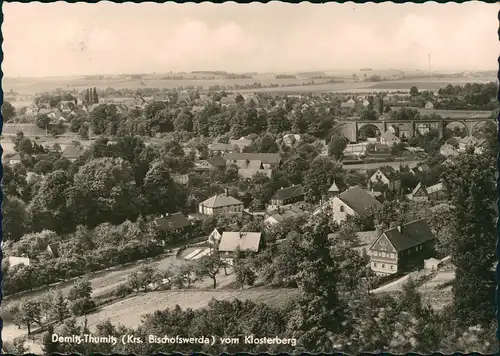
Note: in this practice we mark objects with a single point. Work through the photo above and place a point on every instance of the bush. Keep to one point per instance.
(122, 290)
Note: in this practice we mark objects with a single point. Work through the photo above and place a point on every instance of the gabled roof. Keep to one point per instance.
(173, 222)
(388, 171)
(389, 136)
(359, 200)
(220, 146)
(246, 241)
(248, 173)
(417, 188)
(435, 188)
(221, 200)
(333, 188)
(289, 192)
(217, 161)
(54, 248)
(266, 158)
(412, 234)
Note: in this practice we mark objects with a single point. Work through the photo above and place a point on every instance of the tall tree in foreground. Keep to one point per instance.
(470, 184)
(317, 321)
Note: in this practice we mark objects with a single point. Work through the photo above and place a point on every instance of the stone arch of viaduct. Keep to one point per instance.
(351, 129)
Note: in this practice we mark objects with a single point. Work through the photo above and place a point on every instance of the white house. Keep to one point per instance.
(245, 241)
(220, 204)
(353, 202)
(214, 237)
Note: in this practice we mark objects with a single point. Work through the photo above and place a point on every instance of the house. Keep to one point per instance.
(53, 249)
(249, 173)
(419, 193)
(219, 148)
(353, 202)
(364, 240)
(14, 159)
(269, 160)
(14, 261)
(429, 105)
(241, 143)
(448, 150)
(214, 237)
(220, 204)
(436, 192)
(181, 179)
(172, 222)
(288, 195)
(281, 215)
(349, 104)
(291, 139)
(230, 242)
(389, 139)
(72, 152)
(212, 163)
(394, 129)
(401, 248)
(228, 101)
(386, 175)
(471, 141)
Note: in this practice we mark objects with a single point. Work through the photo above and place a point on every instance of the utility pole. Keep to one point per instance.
(429, 60)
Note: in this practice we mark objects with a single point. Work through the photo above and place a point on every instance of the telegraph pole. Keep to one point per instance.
(429, 60)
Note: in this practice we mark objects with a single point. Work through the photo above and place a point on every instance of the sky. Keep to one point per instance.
(61, 39)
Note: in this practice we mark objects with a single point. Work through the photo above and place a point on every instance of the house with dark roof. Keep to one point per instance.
(173, 222)
(423, 193)
(241, 143)
(282, 214)
(220, 148)
(212, 163)
(53, 249)
(269, 160)
(220, 204)
(402, 248)
(288, 195)
(353, 202)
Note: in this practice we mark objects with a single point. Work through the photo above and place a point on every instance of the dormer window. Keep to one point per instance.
(341, 208)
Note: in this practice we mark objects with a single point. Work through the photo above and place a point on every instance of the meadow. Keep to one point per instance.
(32, 86)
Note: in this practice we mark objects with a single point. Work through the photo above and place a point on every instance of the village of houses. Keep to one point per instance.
(390, 251)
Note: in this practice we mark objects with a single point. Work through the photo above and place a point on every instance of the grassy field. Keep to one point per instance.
(128, 312)
(38, 85)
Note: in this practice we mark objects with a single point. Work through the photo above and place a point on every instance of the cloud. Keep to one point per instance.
(69, 39)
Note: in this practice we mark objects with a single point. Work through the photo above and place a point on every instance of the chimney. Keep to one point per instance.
(400, 228)
(226, 192)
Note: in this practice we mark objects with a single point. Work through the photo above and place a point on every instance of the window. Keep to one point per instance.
(392, 255)
(383, 254)
(392, 267)
(374, 264)
(383, 266)
(341, 208)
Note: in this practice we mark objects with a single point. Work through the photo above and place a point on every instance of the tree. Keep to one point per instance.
(320, 176)
(51, 207)
(159, 189)
(14, 218)
(59, 310)
(413, 91)
(48, 346)
(210, 266)
(8, 111)
(470, 184)
(42, 121)
(317, 320)
(337, 146)
(81, 289)
(104, 190)
(30, 313)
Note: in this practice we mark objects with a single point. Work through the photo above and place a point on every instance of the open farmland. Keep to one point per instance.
(128, 312)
